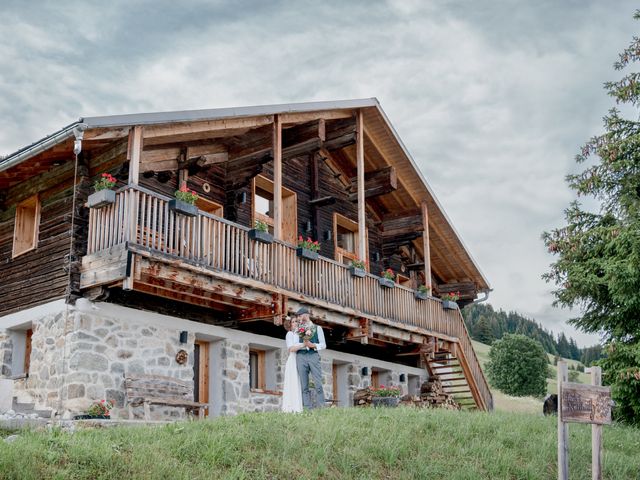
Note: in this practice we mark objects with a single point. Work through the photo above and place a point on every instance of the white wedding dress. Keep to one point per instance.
(291, 390)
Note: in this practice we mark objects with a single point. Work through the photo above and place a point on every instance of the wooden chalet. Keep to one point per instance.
(336, 172)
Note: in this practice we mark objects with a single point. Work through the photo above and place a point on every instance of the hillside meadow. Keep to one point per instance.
(514, 442)
(403, 443)
(507, 403)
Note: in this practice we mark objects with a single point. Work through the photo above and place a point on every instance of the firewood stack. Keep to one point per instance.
(431, 396)
(362, 397)
(432, 393)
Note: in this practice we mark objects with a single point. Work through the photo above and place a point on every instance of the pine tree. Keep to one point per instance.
(485, 335)
(598, 252)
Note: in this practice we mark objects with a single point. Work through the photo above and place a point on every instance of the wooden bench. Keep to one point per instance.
(150, 390)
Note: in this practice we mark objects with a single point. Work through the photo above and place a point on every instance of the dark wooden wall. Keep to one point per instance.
(296, 176)
(37, 276)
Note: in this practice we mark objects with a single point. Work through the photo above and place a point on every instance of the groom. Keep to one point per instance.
(308, 361)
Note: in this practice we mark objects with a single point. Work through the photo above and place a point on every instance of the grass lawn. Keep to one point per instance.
(401, 443)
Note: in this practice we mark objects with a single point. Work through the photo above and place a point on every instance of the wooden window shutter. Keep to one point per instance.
(27, 224)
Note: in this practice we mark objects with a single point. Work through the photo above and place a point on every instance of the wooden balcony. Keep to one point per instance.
(140, 244)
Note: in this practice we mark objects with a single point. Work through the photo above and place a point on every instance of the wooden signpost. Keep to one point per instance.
(579, 403)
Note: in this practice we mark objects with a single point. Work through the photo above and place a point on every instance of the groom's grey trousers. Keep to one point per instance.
(309, 362)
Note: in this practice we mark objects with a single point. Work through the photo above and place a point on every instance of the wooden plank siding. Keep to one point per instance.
(38, 275)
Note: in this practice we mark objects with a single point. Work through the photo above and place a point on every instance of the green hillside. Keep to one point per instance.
(402, 443)
(508, 403)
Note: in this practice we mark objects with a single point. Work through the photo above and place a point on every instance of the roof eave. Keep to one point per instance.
(433, 196)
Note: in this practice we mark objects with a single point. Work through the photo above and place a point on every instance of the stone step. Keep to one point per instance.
(29, 408)
(22, 407)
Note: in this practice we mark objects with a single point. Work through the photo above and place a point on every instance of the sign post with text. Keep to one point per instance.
(579, 403)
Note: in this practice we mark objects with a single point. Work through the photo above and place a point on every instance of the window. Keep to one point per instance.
(413, 384)
(210, 206)
(25, 234)
(257, 369)
(380, 376)
(20, 350)
(345, 232)
(263, 206)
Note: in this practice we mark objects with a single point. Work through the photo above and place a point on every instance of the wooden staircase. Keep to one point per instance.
(444, 365)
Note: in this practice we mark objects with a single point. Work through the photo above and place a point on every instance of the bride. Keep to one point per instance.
(291, 391)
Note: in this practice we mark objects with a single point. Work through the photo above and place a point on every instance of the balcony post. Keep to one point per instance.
(134, 152)
(425, 243)
(362, 225)
(277, 177)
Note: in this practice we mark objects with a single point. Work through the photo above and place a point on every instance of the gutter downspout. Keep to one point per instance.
(480, 300)
(43, 145)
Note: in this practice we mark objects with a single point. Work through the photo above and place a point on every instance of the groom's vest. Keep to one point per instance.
(313, 339)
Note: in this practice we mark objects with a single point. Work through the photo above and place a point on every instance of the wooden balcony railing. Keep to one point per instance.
(143, 217)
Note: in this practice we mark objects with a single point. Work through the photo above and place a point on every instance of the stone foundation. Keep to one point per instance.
(82, 355)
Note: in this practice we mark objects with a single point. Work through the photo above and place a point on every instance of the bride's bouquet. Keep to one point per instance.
(306, 330)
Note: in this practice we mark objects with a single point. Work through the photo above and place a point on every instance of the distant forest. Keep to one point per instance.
(486, 325)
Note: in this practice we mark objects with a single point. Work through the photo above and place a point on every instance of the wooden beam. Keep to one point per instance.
(134, 154)
(322, 201)
(109, 133)
(158, 270)
(298, 140)
(261, 312)
(183, 173)
(377, 182)
(179, 131)
(236, 285)
(309, 116)
(163, 159)
(426, 248)
(340, 134)
(107, 158)
(362, 219)
(399, 226)
(277, 178)
(179, 296)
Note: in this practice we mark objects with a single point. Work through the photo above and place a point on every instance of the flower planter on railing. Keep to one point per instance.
(260, 236)
(386, 283)
(306, 253)
(101, 198)
(422, 296)
(449, 305)
(357, 272)
(183, 208)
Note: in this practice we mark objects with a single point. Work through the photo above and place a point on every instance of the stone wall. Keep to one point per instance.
(102, 350)
(82, 356)
(46, 366)
(6, 351)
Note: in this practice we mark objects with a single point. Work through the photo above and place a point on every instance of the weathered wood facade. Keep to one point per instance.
(341, 167)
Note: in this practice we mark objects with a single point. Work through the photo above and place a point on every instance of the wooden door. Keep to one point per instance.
(27, 351)
(201, 373)
(375, 379)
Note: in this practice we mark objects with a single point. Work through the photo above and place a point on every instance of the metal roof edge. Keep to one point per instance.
(221, 113)
(30, 150)
(27, 152)
(428, 187)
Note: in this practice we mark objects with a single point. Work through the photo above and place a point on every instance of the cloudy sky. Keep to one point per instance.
(492, 98)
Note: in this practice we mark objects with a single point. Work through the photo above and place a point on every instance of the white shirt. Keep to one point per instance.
(293, 339)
